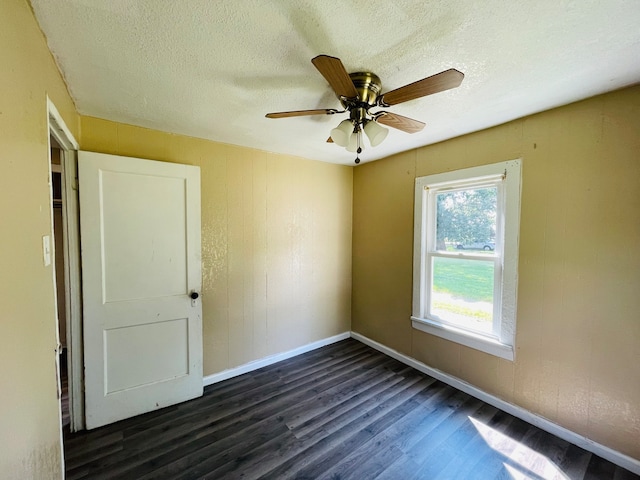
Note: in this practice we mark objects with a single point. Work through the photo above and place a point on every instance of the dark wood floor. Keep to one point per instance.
(64, 392)
(343, 411)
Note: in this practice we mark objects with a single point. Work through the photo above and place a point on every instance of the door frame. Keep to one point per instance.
(58, 129)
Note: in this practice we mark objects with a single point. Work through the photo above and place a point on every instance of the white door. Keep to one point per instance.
(140, 238)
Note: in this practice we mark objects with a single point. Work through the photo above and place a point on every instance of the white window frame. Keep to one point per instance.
(506, 176)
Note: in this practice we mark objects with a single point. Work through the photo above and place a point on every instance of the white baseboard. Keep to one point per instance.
(270, 360)
(607, 453)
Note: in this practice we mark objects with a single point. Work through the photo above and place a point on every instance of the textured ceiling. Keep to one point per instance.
(213, 69)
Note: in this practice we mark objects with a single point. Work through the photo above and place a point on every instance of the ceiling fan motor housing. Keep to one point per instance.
(368, 86)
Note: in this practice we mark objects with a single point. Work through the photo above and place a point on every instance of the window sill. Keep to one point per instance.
(463, 337)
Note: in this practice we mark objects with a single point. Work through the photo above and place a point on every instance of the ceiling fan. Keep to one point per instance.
(359, 92)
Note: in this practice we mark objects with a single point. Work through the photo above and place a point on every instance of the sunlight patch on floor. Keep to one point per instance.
(516, 474)
(524, 463)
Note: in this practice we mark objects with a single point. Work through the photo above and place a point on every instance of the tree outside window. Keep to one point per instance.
(465, 261)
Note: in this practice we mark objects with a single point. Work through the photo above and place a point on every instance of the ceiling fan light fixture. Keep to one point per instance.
(354, 142)
(342, 134)
(376, 133)
(360, 91)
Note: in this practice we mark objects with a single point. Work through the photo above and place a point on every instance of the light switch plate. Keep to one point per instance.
(46, 250)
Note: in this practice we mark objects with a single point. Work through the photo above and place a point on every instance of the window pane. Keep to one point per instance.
(462, 293)
(466, 220)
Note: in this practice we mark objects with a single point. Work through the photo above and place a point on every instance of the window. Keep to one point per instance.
(466, 256)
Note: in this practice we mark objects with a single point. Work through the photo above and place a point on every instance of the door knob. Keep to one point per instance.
(194, 298)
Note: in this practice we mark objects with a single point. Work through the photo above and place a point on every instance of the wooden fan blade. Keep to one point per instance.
(439, 82)
(329, 140)
(334, 72)
(301, 113)
(405, 124)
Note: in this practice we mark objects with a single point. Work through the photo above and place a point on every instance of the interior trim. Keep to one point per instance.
(464, 337)
(607, 453)
(270, 360)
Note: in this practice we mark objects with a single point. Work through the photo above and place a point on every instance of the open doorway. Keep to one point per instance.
(66, 250)
(56, 153)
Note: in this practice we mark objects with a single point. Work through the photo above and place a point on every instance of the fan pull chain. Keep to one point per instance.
(359, 150)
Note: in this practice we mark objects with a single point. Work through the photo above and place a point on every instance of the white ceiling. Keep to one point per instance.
(214, 68)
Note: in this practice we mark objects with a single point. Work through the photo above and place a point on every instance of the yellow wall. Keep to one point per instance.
(578, 319)
(276, 241)
(29, 423)
(277, 254)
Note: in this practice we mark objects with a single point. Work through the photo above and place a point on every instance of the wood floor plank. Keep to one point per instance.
(196, 430)
(196, 462)
(575, 462)
(433, 452)
(232, 402)
(324, 406)
(380, 441)
(446, 453)
(622, 474)
(436, 411)
(363, 438)
(501, 438)
(80, 451)
(319, 427)
(322, 441)
(480, 455)
(237, 405)
(543, 452)
(232, 447)
(403, 468)
(344, 411)
(361, 464)
(288, 447)
(599, 468)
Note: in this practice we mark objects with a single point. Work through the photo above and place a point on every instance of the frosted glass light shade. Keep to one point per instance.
(375, 132)
(342, 133)
(353, 143)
